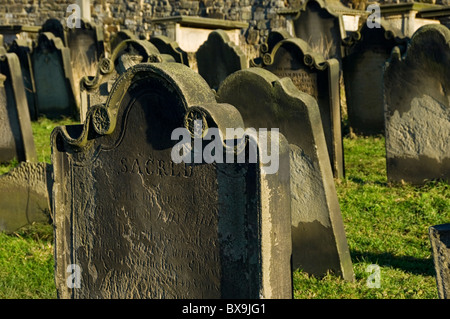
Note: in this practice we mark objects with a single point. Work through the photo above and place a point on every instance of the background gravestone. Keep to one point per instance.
(318, 237)
(16, 137)
(23, 48)
(86, 48)
(319, 78)
(55, 27)
(218, 57)
(55, 92)
(95, 89)
(24, 196)
(167, 46)
(440, 246)
(368, 49)
(417, 106)
(147, 227)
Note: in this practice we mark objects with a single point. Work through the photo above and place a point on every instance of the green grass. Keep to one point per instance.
(386, 225)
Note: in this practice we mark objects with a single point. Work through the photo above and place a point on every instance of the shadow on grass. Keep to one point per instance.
(408, 264)
(361, 181)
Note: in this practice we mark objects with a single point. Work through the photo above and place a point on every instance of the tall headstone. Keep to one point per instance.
(167, 46)
(23, 49)
(16, 137)
(86, 49)
(55, 27)
(312, 74)
(95, 89)
(55, 91)
(440, 246)
(136, 223)
(218, 57)
(318, 237)
(417, 108)
(368, 49)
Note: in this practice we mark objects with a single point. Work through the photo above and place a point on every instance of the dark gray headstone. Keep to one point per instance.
(55, 27)
(53, 78)
(368, 51)
(24, 196)
(166, 45)
(417, 106)
(312, 74)
(140, 225)
(218, 57)
(23, 48)
(318, 237)
(440, 246)
(16, 136)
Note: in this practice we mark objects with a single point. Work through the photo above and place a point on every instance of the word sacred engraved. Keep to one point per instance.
(150, 166)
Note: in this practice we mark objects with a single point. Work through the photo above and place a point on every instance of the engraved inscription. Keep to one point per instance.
(304, 81)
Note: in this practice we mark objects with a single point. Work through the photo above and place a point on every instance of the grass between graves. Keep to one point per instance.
(386, 225)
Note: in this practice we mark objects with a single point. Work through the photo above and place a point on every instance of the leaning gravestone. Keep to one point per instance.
(132, 222)
(368, 49)
(218, 57)
(55, 91)
(95, 89)
(319, 243)
(16, 136)
(23, 48)
(24, 196)
(417, 106)
(440, 245)
(312, 74)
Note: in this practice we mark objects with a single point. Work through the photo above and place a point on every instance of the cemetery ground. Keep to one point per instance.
(386, 225)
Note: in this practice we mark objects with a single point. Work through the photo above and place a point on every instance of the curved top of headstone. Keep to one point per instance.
(106, 66)
(333, 7)
(165, 45)
(54, 26)
(310, 58)
(101, 119)
(48, 40)
(422, 41)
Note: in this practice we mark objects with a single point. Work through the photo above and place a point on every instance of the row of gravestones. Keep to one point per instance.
(134, 221)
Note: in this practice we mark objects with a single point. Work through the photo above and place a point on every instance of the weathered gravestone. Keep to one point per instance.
(312, 74)
(135, 223)
(440, 246)
(16, 136)
(368, 49)
(24, 196)
(120, 36)
(417, 106)
(319, 243)
(55, 27)
(167, 46)
(218, 57)
(23, 48)
(86, 49)
(53, 78)
(95, 89)
(321, 24)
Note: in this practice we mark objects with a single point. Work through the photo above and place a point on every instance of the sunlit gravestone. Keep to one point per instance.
(142, 211)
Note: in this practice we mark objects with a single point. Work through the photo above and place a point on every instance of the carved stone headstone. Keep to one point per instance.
(16, 136)
(24, 196)
(55, 27)
(318, 238)
(312, 74)
(417, 106)
(167, 46)
(218, 57)
(440, 246)
(23, 48)
(55, 92)
(138, 224)
(95, 89)
(368, 51)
